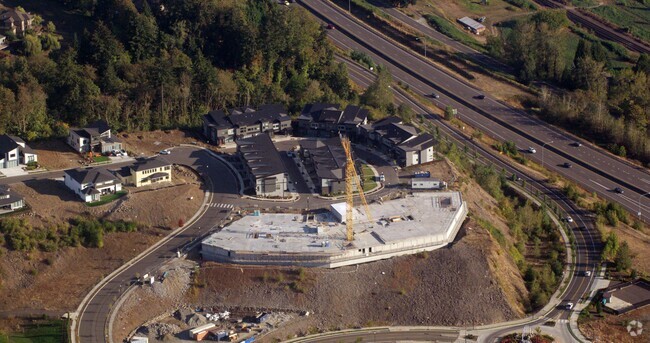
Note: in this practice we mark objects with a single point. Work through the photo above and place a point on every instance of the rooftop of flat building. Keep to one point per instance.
(409, 220)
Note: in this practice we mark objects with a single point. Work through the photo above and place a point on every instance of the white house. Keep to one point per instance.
(91, 183)
(14, 151)
(10, 201)
(95, 137)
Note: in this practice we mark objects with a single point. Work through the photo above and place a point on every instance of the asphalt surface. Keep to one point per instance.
(592, 168)
(221, 182)
(588, 244)
(384, 335)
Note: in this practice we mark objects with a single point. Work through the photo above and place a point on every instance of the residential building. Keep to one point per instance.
(325, 161)
(402, 142)
(14, 151)
(3, 42)
(147, 171)
(16, 22)
(95, 137)
(328, 120)
(470, 24)
(221, 127)
(10, 201)
(264, 170)
(90, 184)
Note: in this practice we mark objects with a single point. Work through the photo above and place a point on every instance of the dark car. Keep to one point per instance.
(618, 190)
(435, 96)
(480, 97)
(330, 27)
(567, 165)
(577, 144)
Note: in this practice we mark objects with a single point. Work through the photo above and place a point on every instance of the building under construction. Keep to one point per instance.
(416, 223)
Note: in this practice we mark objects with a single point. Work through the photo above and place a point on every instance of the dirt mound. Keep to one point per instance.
(159, 330)
(196, 320)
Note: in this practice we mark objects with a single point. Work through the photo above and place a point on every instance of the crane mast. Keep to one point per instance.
(352, 179)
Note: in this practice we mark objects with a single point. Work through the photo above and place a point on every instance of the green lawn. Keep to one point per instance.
(634, 16)
(53, 332)
(449, 29)
(107, 198)
(368, 178)
(99, 159)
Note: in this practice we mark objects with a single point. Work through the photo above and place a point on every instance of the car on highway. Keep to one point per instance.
(567, 165)
(618, 190)
(568, 219)
(568, 306)
(588, 273)
(577, 144)
(330, 27)
(165, 152)
(531, 150)
(435, 96)
(480, 97)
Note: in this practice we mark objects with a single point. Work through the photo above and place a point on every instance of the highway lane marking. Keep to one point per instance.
(598, 184)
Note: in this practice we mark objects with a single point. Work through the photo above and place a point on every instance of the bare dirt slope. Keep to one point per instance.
(59, 280)
(613, 329)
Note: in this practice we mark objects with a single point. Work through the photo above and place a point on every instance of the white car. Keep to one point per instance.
(588, 273)
(165, 152)
(569, 219)
(531, 150)
(569, 306)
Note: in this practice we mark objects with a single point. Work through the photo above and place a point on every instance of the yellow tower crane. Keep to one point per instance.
(351, 179)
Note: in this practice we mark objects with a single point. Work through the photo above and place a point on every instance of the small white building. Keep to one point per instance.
(139, 339)
(94, 137)
(427, 183)
(91, 183)
(472, 25)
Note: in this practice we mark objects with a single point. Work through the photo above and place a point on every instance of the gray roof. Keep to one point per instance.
(13, 196)
(331, 113)
(7, 144)
(328, 157)
(13, 15)
(467, 21)
(421, 142)
(93, 129)
(91, 175)
(261, 155)
(397, 133)
(246, 116)
(150, 163)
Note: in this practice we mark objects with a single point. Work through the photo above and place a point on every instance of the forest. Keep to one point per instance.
(144, 66)
(601, 92)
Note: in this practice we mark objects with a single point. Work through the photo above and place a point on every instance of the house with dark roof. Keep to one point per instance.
(14, 152)
(264, 172)
(95, 137)
(16, 22)
(225, 127)
(10, 201)
(146, 171)
(325, 162)
(401, 141)
(328, 120)
(90, 184)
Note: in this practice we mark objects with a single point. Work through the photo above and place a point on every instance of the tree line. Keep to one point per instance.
(165, 65)
(594, 96)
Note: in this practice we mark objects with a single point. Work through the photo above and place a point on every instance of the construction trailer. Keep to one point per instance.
(427, 183)
(201, 332)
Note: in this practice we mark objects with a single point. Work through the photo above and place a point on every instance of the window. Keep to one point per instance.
(12, 155)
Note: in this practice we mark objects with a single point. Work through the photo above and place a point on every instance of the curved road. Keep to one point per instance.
(92, 318)
(596, 170)
(588, 245)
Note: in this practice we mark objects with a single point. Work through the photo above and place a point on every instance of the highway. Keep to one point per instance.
(93, 316)
(592, 168)
(588, 245)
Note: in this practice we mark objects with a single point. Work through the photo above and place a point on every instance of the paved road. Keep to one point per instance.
(476, 56)
(221, 182)
(385, 335)
(588, 245)
(596, 170)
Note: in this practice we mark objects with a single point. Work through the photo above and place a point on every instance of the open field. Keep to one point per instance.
(57, 281)
(629, 15)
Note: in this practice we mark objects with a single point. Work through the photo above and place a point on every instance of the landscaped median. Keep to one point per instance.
(108, 198)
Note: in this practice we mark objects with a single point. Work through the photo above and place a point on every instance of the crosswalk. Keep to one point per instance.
(219, 205)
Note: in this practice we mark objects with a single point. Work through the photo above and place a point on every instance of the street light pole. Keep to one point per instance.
(641, 196)
(543, 145)
(350, 6)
